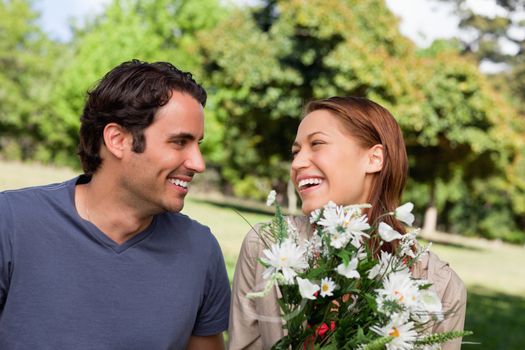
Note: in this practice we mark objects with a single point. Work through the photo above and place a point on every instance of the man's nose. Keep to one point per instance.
(195, 161)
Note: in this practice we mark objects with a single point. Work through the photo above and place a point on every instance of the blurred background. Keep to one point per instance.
(452, 72)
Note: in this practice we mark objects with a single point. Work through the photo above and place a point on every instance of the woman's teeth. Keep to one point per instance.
(309, 182)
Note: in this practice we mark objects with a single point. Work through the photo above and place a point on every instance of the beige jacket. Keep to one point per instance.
(255, 323)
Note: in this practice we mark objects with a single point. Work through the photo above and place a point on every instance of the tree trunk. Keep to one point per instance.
(292, 197)
(430, 221)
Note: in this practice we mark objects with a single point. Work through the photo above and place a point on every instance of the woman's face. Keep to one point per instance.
(328, 164)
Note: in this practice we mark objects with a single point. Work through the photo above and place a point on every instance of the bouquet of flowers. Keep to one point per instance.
(340, 290)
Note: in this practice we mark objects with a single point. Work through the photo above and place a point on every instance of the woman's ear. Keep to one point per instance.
(375, 159)
(116, 139)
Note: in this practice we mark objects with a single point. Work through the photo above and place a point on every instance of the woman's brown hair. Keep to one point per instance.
(371, 124)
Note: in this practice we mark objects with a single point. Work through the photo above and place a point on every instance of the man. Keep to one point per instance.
(105, 261)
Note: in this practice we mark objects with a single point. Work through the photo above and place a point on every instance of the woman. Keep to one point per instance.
(347, 150)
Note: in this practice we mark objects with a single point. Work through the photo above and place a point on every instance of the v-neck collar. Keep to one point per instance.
(98, 234)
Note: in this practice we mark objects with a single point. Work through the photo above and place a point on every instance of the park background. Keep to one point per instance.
(460, 102)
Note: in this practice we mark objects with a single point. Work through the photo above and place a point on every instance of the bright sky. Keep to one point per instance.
(56, 14)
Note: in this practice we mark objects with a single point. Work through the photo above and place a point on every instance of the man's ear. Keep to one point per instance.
(117, 139)
(375, 156)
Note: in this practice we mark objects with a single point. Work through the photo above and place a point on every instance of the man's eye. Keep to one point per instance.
(179, 142)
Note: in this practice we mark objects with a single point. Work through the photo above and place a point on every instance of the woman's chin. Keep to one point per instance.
(309, 207)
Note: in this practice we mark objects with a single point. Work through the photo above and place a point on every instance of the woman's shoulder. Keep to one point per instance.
(255, 239)
(442, 276)
(299, 223)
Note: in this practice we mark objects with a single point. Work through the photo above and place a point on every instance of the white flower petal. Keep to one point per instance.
(403, 333)
(287, 258)
(307, 288)
(327, 287)
(350, 270)
(271, 198)
(404, 213)
(387, 233)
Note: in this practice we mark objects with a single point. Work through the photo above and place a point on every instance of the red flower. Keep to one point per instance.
(323, 329)
(319, 332)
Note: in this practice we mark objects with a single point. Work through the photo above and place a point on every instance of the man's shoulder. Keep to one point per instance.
(187, 227)
(22, 197)
(185, 221)
(29, 192)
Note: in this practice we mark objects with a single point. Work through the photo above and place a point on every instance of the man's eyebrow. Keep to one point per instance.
(185, 136)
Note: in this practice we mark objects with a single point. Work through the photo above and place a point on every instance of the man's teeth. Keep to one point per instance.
(178, 182)
(306, 182)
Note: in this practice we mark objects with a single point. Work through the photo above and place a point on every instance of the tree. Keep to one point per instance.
(267, 61)
(153, 30)
(26, 65)
(489, 39)
(497, 38)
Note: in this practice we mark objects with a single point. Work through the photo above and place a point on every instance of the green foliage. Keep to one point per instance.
(153, 30)
(267, 61)
(251, 187)
(348, 314)
(261, 64)
(442, 337)
(487, 32)
(26, 64)
(378, 344)
(496, 318)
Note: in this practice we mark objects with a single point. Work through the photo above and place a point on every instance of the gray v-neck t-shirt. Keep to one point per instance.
(65, 285)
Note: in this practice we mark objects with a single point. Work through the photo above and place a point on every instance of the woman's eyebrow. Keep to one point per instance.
(309, 136)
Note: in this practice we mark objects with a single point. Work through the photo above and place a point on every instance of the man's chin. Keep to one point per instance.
(175, 208)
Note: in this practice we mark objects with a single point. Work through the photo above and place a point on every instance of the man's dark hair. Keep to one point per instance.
(130, 95)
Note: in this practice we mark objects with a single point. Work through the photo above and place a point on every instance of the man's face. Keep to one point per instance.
(157, 179)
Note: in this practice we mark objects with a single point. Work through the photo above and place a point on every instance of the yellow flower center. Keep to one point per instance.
(394, 332)
(399, 295)
(325, 287)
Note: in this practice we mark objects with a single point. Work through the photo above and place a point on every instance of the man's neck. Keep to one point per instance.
(101, 203)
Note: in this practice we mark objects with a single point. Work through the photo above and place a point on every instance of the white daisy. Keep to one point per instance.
(399, 287)
(307, 288)
(350, 270)
(355, 227)
(327, 287)
(333, 217)
(287, 258)
(403, 333)
(339, 240)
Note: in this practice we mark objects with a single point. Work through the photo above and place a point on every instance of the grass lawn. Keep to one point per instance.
(493, 272)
